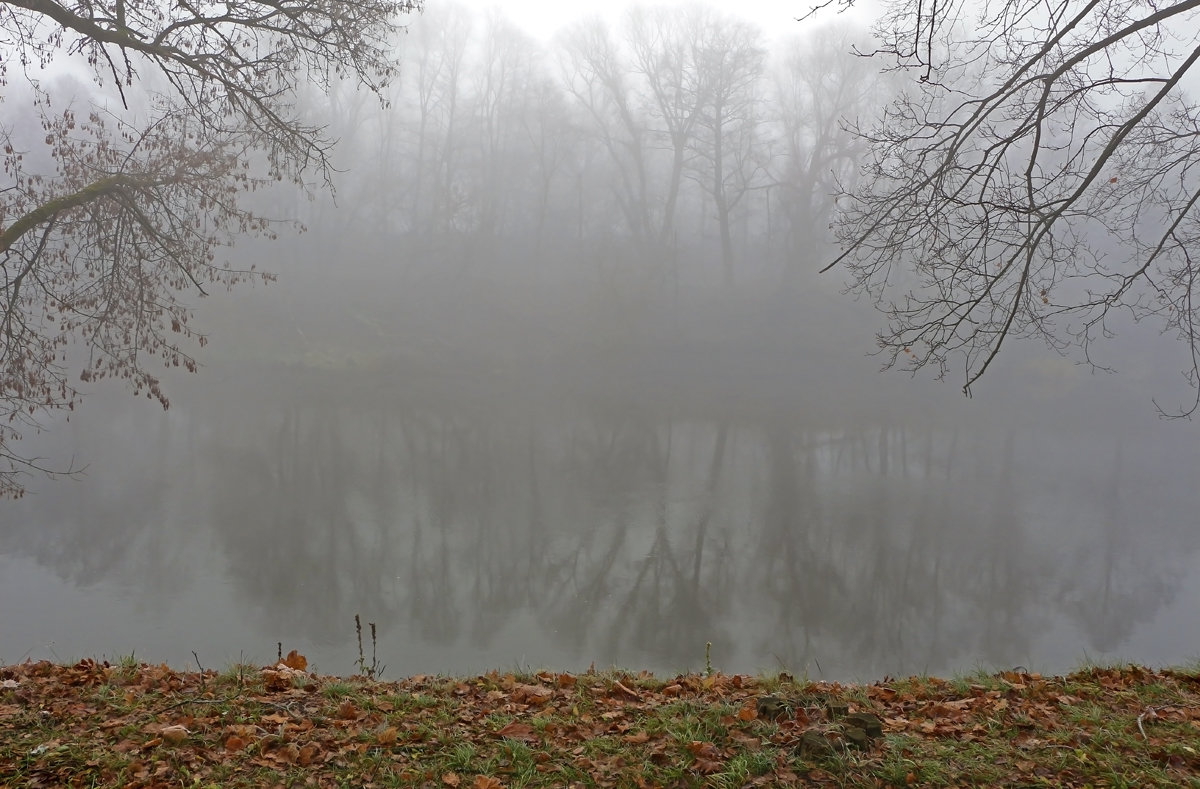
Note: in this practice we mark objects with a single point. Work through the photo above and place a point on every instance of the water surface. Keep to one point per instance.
(487, 530)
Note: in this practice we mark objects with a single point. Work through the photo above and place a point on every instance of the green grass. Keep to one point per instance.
(100, 725)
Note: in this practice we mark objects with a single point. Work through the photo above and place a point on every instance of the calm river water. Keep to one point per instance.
(487, 532)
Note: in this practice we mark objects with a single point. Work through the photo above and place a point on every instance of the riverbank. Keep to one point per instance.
(137, 725)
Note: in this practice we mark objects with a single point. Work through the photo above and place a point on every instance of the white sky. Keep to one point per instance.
(542, 18)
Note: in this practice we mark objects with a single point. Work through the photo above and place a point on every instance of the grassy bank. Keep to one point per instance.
(136, 725)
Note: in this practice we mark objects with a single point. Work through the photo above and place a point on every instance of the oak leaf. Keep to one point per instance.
(295, 661)
(487, 782)
(518, 731)
(532, 694)
(275, 680)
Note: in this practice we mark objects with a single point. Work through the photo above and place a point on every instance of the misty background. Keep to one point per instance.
(551, 379)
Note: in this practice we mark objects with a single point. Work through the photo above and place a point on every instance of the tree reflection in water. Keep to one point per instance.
(581, 533)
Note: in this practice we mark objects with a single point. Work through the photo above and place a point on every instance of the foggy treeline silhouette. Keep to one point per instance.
(675, 132)
(641, 206)
(624, 210)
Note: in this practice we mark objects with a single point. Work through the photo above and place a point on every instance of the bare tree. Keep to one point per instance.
(817, 82)
(503, 93)
(436, 64)
(664, 43)
(595, 74)
(1040, 180)
(110, 215)
(548, 130)
(728, 160)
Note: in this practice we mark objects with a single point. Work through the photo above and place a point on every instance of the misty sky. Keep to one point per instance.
(542, 18)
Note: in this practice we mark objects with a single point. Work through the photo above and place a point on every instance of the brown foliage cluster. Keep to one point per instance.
(110, 213)
(94, 259)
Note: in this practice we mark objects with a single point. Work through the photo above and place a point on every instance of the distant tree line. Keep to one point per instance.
(675, 129)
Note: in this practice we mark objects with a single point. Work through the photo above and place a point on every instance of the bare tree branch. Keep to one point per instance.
(1042, 173)
(113, 217)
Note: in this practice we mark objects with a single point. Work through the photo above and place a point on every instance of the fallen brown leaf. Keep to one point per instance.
(275, 680)
(295, 661)
(532, 694)
(518, 731)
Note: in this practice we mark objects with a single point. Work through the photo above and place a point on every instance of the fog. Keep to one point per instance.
(550, 379)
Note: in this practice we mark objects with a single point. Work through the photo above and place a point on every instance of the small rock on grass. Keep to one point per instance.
(870, 724)
(814, 745)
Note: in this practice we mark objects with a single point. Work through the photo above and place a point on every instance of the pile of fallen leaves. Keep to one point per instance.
(131, 725)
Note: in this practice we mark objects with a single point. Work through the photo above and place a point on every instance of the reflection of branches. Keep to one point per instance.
(585, 589)
(802, 585)
(668, 609)
(664, 611)
(286, 514)
(875, 566)
(1008, 578)
(129, 528)
(432, 592)
(1109, 589)
(450, 529)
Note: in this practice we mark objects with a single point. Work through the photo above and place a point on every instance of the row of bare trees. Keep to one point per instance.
(677, 127)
